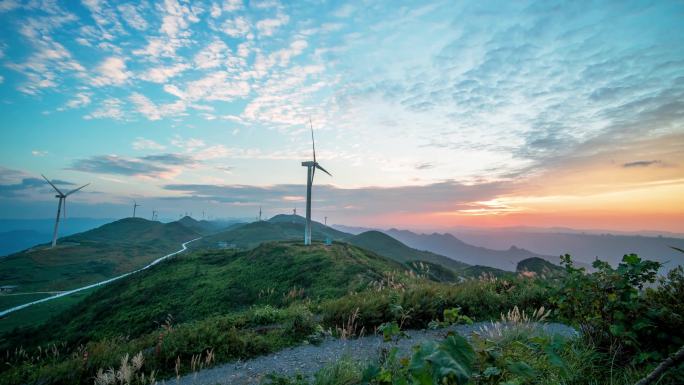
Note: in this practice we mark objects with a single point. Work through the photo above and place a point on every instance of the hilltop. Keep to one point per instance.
(539, 267)
(93, 255)
(384, 244)
(203, 227)
(280, 227)
(202, 284)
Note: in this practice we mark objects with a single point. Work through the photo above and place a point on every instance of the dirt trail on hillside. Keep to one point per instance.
(307, 359)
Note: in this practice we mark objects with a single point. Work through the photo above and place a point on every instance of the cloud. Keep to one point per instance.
(130, 13)
(153, 111)
(445, 196)
(177, 18)
(344, 11)
(190, 144)
(424, 166)
(49, 58)
(110, 108)
(112, 71)
(115, 165)
(215, 86)
(9, 5)
(642, 163)
(267, 27)
(15, 184)
(236, 27)
(170, 159)
(161, 74)
(146, 144)
(39, 153)
(213, 55)
(79, 100)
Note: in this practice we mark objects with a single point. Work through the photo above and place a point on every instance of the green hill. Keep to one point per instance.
(201, 227)
(389, 247)
(477, 271)
(539, 267)
(94, 255)
(198, 285)
(278, 228)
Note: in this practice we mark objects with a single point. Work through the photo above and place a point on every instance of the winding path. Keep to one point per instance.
(68, 292)
(307, 359)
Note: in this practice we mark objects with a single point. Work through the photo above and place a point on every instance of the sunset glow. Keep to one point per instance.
(431, 115)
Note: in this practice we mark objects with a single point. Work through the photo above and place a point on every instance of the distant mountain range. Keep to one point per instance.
(450, 246)
(504, 248)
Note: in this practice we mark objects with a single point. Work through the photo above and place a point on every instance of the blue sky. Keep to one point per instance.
(431, 113)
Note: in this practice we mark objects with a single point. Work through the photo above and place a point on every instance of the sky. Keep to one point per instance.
(429, 115)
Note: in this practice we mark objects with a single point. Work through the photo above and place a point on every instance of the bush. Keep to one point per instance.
(610, 307)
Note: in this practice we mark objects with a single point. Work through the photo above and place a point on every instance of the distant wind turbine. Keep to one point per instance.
(326, 221)
(135, 206)
(259, 213)
(61, 204)
(311, 170)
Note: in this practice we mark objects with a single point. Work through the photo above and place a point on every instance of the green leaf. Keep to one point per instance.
(454, 358)
(419, 367)
(491, 371)
(522, 369)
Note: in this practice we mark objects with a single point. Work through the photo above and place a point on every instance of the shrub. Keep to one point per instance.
(610, 307)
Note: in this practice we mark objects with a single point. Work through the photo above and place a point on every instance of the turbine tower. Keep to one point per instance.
(311, 167)
(61, 204)
(135, 206)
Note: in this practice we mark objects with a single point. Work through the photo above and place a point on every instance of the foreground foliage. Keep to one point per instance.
(255, 302)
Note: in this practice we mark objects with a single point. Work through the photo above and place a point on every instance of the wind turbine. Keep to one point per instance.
(61, 204)
(135, 206)
(259, 213)
(311, 170)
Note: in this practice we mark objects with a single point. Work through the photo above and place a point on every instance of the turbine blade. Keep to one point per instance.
(313, 142)
(53, 186)
(74, 190)
(318, 166)
(64, 206)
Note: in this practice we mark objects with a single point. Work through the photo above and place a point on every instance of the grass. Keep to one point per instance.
(37, 315)
(279, 228)
(383, 244)
(214, 306)
(120, 247)
(11, 300)
(198, 285)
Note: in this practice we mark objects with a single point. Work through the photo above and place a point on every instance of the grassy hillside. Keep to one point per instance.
(539, 267)
(201, 227)
(195, 286)
(94, 255)
(389, 247)
(278, 228)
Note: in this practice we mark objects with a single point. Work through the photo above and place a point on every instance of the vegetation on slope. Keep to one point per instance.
(279, 228)
(194, 286)
(389, 247)
(94, 255)
(539, 267)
